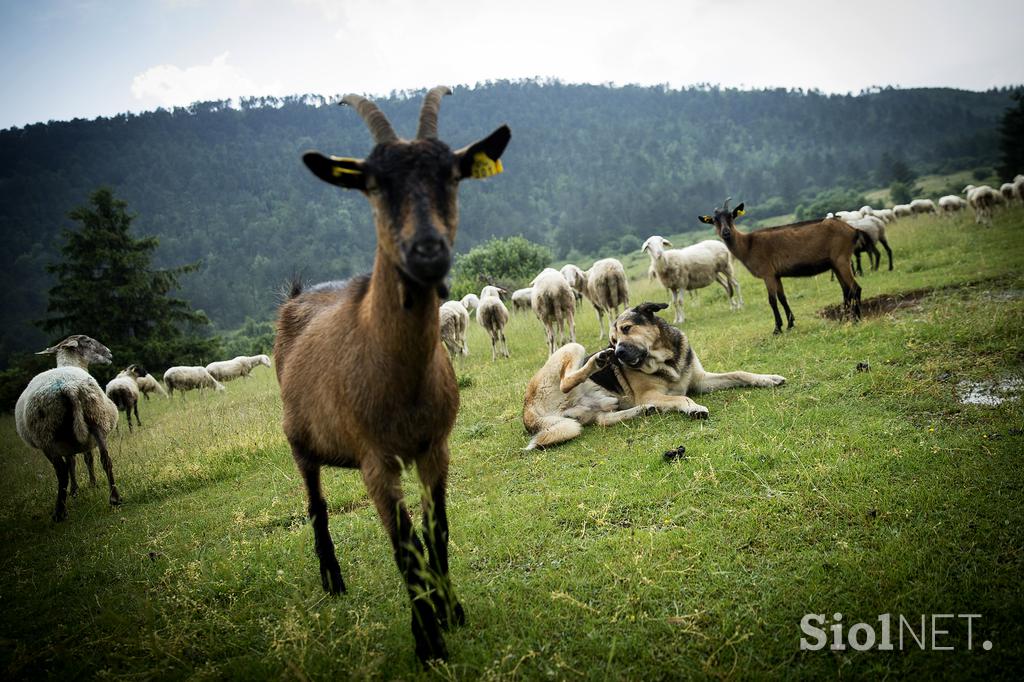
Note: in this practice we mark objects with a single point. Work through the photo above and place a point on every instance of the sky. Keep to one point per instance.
(64, 59)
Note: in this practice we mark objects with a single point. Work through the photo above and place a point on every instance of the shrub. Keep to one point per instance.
(510, 262)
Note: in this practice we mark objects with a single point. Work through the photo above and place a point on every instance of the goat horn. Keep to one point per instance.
(374, 118)
(428, 114)
(725, 206)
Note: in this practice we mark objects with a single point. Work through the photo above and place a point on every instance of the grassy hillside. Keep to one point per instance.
(933, 185)
(861, 493)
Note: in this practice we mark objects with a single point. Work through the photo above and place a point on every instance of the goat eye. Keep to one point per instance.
(626, 328)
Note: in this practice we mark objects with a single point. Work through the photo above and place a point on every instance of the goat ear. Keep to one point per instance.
(347, 173)
(482, 159)
(706, 219)
(738, 211)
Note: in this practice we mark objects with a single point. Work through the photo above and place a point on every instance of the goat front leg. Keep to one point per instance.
(772, 285)
(433, 473)
(785, 304)
(330, 571)
(384, 486)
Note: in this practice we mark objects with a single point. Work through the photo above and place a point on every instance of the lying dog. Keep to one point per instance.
(649, 367)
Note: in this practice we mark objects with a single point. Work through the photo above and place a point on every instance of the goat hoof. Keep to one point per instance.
(778, 331)
(115, 498)
(427, 650)
(458, 616)
(331, 580)
(60, 514)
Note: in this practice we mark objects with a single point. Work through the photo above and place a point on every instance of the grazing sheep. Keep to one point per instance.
(848, 215)
(576, 279)
(950, 204)
(555, 306)
(63, 411)
(521, 299)
(607, 289)
(885, 214)
(920, 206)
(470, 302)
(1018, 183)
(123, 390)
(874, 229)
(227, 370)
(491, 290)
(902, 211)
(147, 384)
(252, 361)
(365, 383)
(798, 250)
(1009, 192)
(983, 200)
(693, 267)
(454, 321)
(189, 378)
(492, 315)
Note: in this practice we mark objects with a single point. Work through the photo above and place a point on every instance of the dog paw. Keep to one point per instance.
(698, 412)
(648, 410)
(604, 357)
(774, 380)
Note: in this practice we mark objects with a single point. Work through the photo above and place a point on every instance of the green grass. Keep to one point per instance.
(843, 491)
(930, 185)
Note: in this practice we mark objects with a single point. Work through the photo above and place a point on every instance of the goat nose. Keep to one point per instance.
(428, 248)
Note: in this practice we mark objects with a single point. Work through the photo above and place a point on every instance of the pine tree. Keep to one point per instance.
(107, 288)
(1011, 142)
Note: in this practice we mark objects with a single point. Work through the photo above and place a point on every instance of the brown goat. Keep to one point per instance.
(798, 250)
(365, 381)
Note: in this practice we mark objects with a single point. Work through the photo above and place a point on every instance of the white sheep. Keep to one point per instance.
(555, 306)
(123, 391)
(1018, 183)
(1009, 192)
(608, 290)
(950, 204)
(189, 378)
(225, 370)
(253, 361)
(884, 214)
(147, 384)
(874, 229)
(848, 215)
(454, 322)
(470, 302)
(521, 299)
(493, 316)
(63, 411)
(576, 279)
(902, 211)
(982, 199)
(919, 206)
(693, 267)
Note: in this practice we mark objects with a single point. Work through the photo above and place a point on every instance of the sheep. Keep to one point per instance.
(492, 315)
(123, 390)
(365, 381)
(982, 199)
(470, 302)
(950, 204)
(691, 268)
(1018, 183)
(576, 279)
(555, 306)
(252, 361)
(188, 378)
(227, 370)
(521, 299)
(491, 290)
(884, 214)
(1009, 192)
(847, 215)
(454, 321)
(919, 206)
(798, 250)
(63, 411)
(902, 211)
(607, 289)
(147, 384)
(874, 229)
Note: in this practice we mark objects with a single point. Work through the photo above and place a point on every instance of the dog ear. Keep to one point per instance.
(650, 309)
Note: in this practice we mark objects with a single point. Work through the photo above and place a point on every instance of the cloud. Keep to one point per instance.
(168, 85)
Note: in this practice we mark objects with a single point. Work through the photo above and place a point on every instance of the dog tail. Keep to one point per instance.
(554, 430)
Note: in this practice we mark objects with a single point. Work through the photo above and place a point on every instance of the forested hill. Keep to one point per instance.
(588, 166)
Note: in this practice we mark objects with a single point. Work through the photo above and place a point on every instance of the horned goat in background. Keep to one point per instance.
(365, 381)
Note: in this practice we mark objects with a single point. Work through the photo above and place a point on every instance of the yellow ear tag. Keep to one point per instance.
(338, 171)
(484, 166)
(739, 213)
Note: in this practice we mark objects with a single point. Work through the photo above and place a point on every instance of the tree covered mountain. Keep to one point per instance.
(588, 167)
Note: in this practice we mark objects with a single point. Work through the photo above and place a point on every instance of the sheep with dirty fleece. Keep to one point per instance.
(692, 267)
(454, 321)
(182, 378)
(147, 384)
(123, 390)
(64, 411)
(555, 306)
(607, 288)
(492, 315)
